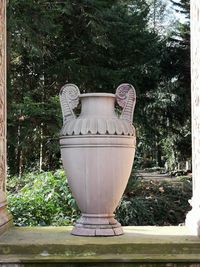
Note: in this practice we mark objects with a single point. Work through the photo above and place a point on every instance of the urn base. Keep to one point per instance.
(97, 225)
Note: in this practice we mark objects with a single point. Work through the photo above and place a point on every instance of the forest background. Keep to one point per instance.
(97, 45)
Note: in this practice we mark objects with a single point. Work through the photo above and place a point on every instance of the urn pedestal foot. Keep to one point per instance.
(97, 225)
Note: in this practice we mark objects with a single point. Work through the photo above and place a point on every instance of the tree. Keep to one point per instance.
(168, 107)
(95, 44)
(29, 83)
(159, 16)
(179, 64)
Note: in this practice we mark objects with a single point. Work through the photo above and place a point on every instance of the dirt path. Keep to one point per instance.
(154, 175)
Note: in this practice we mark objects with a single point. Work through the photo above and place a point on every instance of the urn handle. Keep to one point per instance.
(69, 99)
(126, 98)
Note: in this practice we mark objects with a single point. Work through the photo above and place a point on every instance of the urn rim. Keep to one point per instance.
(97, 94)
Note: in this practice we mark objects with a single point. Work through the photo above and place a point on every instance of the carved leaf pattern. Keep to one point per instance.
(2, 95)
(97, 126)
(126, 98)
(69, 99)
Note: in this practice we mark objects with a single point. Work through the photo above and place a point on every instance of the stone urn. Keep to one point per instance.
(97, 149)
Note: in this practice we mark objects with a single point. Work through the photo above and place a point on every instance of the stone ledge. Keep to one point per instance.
(139, 244)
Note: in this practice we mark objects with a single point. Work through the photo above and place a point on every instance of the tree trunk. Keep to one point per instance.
(41, 147)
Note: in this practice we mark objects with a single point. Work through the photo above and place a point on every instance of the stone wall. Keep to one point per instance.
(2, 96)
(195, 71)
(4, 216)
(141, 246)
(193, 217)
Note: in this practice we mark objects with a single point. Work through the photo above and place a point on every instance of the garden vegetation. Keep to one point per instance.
(45, 199)
(97, 44)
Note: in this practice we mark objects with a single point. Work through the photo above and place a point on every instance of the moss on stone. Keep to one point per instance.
(138, 245)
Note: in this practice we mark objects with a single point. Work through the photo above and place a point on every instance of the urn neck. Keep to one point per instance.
(98, 105)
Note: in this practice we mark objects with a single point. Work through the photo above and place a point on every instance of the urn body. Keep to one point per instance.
(97, 150)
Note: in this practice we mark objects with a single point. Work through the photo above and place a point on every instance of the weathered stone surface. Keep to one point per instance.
(98, 163)
(97, 225)
(2, 95)
(5, 218)
(101, 264)
(193, 217)
(140, 246)
(107, 122)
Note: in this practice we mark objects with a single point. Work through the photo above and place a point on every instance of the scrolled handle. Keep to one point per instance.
(69, 99)
(126, 98)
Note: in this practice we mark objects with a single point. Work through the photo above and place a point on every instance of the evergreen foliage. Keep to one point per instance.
(94, 44)
(165, 133)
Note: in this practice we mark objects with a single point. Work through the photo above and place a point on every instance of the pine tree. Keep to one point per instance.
(93, 43)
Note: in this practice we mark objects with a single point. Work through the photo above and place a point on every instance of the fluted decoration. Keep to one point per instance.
(126, 98)
(102, 145)
(69, 99)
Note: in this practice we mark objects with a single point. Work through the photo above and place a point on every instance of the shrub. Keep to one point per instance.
(45, 199)
(155, 202)
(41, 199)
